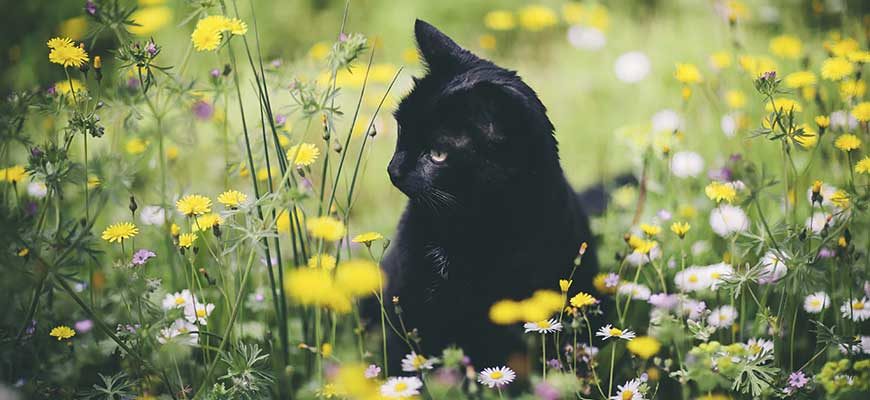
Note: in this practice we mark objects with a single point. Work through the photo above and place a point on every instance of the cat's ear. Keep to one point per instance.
(440, 52)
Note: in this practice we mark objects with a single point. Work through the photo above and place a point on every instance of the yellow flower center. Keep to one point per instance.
(418, 361)
(755, 349)
(858, 305)
(693, 278)
(401, 386)
(200, 313)
(816, 303)
(627, 394)
(543, 324)
(496, 375)
(715, 275)
(179, 300)
(615, 332)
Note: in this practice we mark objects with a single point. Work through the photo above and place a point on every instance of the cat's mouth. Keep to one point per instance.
(436, 200)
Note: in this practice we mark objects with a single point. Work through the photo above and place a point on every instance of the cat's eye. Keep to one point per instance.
(438, 156)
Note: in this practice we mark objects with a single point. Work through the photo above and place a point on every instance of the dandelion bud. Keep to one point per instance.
(817, 192)
(133, 205)
(386, 243)
(373, 132)
(395, 299)
(98, 63)
(842, 242)
(336, 146)
(227, 69)
(100, 105)
(301, 171)
(325, 125)
(626, 237)
(216, 229)
(583, 247)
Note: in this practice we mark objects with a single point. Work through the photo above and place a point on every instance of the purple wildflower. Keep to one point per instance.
(280, 119)
(664, 301)
(826, 253)
(554, 363)
(372, 371)
(611, 280)
(664, 215)
(276, 63)
(342, 37)
(202, 110)
(142, 255)
(545, 391)
(51, 91)
(84, 326)
(151, 48)
(215, 73)
(797, 380)
(91, 7)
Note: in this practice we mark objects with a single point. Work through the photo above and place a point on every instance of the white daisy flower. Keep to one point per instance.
(152, 215)
(37, 190)
(687, 164)
(496, 377)
(177, 300)
(632, 67)
(401, 387)
(629, 391)
(694, 309)
(543, 326)
(666, 120)
(635, 290)
(856, 309)
(586, 38)
(842, 119)
(817, 222)
(773, 267)
(718, 273)
(198, 313)
(816, 302)
(693, 279)
(608, 331)
(727, 219)
(722, 317)
(728, 123)
(759, 347)
(180, 331)
(417, 362)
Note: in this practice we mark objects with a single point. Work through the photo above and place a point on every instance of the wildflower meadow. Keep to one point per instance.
(194, 200)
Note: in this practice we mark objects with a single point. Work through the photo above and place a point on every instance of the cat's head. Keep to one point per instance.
(468, 129)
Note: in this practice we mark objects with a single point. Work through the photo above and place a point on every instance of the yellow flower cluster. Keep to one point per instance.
(64, 52)
(193, 204)
(326, 228)
(687, 73)
(232, 198)
(62, 332)
(120, 231)
(718, 191)
(303, 155)
(319, 287)
(540, 306)
(208, 34)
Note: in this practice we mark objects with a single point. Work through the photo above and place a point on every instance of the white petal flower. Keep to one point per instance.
(37, 190)
(543, 326)
(773, 267)
(667, 121)
(759, 347)
(177, 300)
(198, 312)
(632, 67)
(722, 317)
(608, 331)
(152, 215)
(402, 387)
(180, 331)
(817, 302)
(586, 38)
(693, 279)
(685, 164)
(727, 219)
(856, 309)
(817, 222)
(635, 290)
(728, 123)
(496, 377)
(629, 391)
(417, 362)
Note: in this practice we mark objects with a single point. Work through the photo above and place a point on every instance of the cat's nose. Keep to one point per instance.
(395, 168)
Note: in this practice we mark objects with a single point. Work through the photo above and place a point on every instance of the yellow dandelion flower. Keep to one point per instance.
(207, 221)
(367, 237)
(823, 121)
(324, 261)
(837, 68)
(174, 230)
(583, 300)
(642, 246)
(62, 332)
(148, 20)
(687, 73)
(861, 112)
(840, 198)
(120, 231)
(757, 65)
(237, 26)
(564, 285)
(303, 154)
(800, 79)
(185, 240)
(650, 230)
(735, 99)
(842, 47)
(720, 59)
(847, 142)
(67, 55)
(59, 42)
(680, 228)
(208, 33)
(320, 50)
(135, 146)
(786, 46)
(506, 312)
(537, 17)
(309, 286)
(807, 139)
(66, 87)
(644, 346)
(13, 174)
(193, 204)
(736, 10)
(232, 198)
(851, 88)
(718, 191)
(784, 105)
(358, 277)
(326, 228)
(486, 41)
(860, 56)
(863, 166)
(499, 20)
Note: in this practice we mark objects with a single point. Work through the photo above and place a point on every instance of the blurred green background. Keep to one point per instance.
(566, 51)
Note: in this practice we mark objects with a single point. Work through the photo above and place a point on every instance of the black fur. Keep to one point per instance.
(496, 219)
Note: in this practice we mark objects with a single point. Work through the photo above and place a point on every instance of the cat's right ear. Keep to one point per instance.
(438, 51)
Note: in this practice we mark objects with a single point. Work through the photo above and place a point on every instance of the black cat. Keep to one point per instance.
(490, 215)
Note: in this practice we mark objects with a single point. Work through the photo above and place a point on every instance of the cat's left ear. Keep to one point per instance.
(440, 52)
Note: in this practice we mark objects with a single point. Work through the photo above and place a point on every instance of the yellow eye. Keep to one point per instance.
(437, 156)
